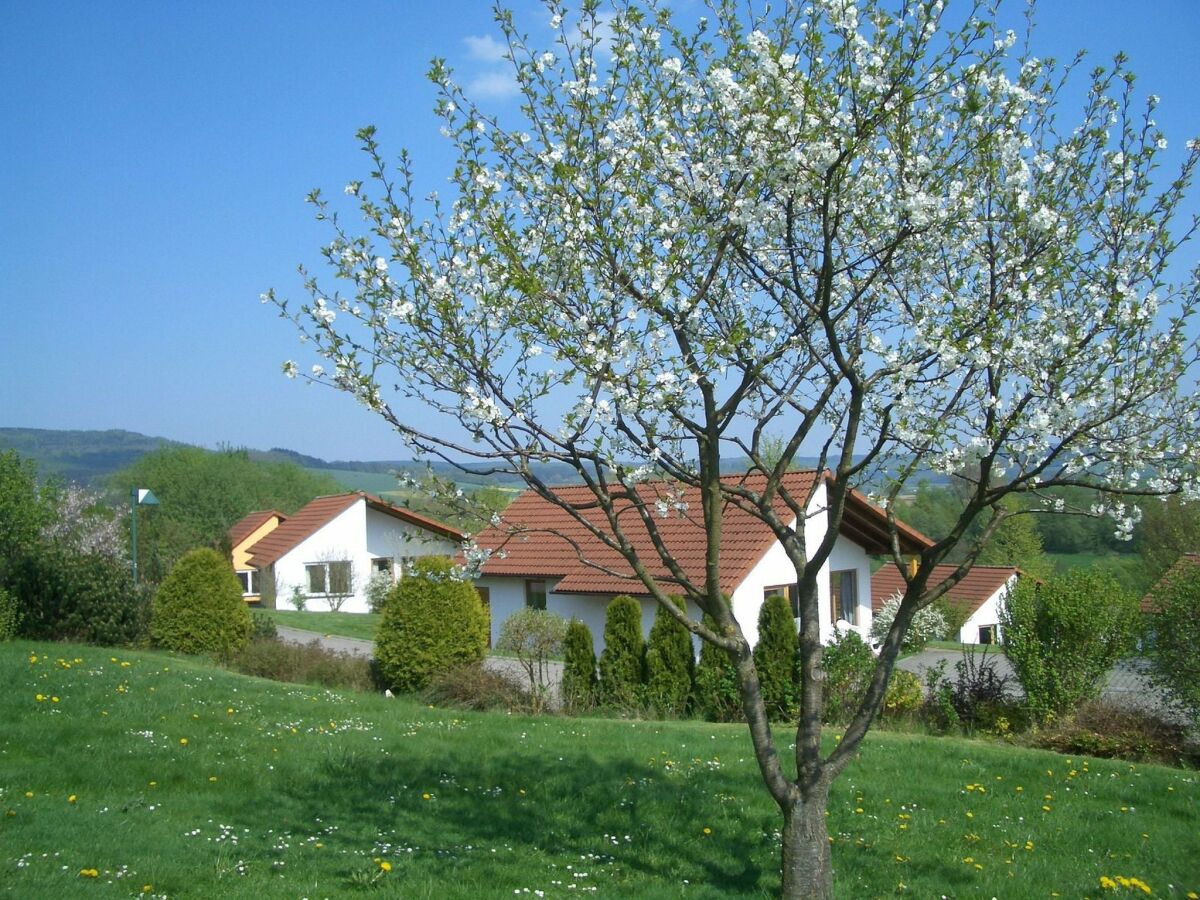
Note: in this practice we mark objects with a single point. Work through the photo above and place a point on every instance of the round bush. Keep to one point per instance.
(432, 623)
(199, 608)
(904, 697)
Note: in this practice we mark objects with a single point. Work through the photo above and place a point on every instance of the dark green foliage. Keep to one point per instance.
(1174, 627)
(263, 627)
(432, 623)
(199, 608)
(1169, 529)
(848, 664)
(621, 660)
(579, 668)
(1063, 635)
(303, 664)
(10, 615)
(775, 658)
(670, 664)
(956, 617)
(716, 696)
(71, 597)
(202, 493)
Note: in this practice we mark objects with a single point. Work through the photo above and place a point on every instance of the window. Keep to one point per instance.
(329, 577)
(535, 594)
(249, 580)
(383, 565)
(790, 592)
(987, 634)
(843, 590)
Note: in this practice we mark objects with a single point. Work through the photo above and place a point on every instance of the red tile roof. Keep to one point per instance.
(980, 583)
(1177, 568)
(537, 538)
(246, 526)
(318, 513)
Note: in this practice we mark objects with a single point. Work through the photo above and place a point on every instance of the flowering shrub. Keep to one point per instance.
(929, 624)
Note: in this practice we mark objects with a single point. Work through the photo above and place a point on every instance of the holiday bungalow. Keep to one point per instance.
(323, 556)
(978, 597)
(542, 557)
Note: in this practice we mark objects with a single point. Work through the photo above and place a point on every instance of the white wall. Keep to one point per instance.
(359, 534)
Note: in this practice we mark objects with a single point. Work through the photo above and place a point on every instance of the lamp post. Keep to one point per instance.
(137, 497)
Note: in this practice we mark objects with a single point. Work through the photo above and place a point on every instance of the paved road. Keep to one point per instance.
(358, 647)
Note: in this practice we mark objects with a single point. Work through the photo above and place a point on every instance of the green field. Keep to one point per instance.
(131, 771)
(353, 625)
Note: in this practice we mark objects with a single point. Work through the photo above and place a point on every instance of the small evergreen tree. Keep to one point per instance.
(670, 663)
(199, 608)
(579, 668)
(621, 659)
(432, 623)
(715, 695)
(775, 658)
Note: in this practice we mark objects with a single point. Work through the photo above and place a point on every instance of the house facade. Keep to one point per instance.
(244, 535)
(323, 556)
(979, 596)
(541, 557)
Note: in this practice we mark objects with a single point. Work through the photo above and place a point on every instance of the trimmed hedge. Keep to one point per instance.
(432, 623)
(199, 608)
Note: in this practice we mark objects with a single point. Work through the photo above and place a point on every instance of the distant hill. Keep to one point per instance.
(84, 456)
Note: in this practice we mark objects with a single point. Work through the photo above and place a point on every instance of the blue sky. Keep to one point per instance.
(154, 158)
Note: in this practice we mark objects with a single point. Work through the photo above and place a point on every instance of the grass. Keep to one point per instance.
(166, 773)
(352, 625)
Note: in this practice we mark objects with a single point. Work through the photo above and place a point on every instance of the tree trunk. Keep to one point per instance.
(807, 861)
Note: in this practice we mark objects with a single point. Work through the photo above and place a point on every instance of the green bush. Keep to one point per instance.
(579, 668)
(905, 696)
(848, 664)
(1175, 639)
(432, 623)
(670, 664)
(263, 627)
(1117, 732)
(955, 616)
(1063, 635)
(10, 615)
(477, 687)
(621, 660)
(70, 597)
(716, 695)
(533, 636)
(775, 658)
(199, 608)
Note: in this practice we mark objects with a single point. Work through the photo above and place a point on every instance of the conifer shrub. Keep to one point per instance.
(716, 696)
(432, 623)
(198, 608)
(621, 660)
(775, 658)
(579, 668)
(670, 664)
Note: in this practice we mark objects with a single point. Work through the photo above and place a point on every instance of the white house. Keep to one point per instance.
(979, 595)
(328, 550)
(542, 557)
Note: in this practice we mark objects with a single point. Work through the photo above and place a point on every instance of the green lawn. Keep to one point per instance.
(165, 773)
(354, 625)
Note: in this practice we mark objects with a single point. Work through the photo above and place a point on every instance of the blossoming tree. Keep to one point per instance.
(863, 227)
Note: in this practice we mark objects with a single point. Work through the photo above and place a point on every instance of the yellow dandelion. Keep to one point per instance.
(385, 866)
(147, 888)
(212, 778)
(53, 699)
(1045, 809)
(71, 799)
(29, 794)
(183, 742)
(40, 698)
(707, 830)
(426, 797)
(89, 873)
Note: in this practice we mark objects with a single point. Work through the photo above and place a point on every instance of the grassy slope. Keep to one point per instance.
(353, 625)
(285, 791)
